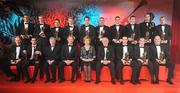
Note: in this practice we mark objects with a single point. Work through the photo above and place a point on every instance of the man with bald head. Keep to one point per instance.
(160, 57)
(105, 58)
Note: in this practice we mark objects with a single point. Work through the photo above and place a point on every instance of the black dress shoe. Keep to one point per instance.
(97, 82)
(121, 82)
(27, 81)
(133, 82)
(73, 81)
(138, 82)
(152, 82)
(47, 81)
(170, 82)
(113, 82)
(156, 82)
(53, 80)
(61, 80)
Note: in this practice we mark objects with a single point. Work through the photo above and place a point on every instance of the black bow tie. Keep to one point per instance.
(125, 45)
(157, 45)
(70, 45)
(117, 25)
(25, 23)
(141, 47)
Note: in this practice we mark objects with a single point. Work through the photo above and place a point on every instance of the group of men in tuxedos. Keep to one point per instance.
(133, 45)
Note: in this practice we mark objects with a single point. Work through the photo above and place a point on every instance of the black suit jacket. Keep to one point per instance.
(60, 34)
(137, 52)
(128, 31)
(154, 54)
(119, 52)
(167, 31)
(109, 54)
(114, 31)
(46, 30)
(91, 33)
(21, 29)
(144, 29)
(75, 33)
(105, 34)
(52, 55)
(13, 51)
(65, 55)
(29, 50)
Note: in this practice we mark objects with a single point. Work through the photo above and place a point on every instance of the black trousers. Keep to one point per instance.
(170, 67)
(19, 70)
(25, 69)
(149, 66)
(119, 68)
(61, 70)
(99, 66)
(53, 70)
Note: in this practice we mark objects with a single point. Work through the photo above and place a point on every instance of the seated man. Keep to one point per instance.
(143, 58)
(69, 58)
(52, 57)
(124, 55)
(17, 57)
(160, 56)
(105, 57)
(33, 58)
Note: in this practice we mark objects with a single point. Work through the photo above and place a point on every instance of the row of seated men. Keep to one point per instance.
(114, 33)
(113, 56)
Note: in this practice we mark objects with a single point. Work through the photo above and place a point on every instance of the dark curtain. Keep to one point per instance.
(175, 45)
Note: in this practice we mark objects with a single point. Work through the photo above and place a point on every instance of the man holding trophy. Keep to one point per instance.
(160, 56)
(125, 58)
(142, 57)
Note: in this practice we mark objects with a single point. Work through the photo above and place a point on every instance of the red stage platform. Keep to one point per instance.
(81, 87)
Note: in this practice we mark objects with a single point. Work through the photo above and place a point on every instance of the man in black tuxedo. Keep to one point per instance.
(33, 51)
(142, 56)
(164, 31)
(71, 29)
(52, 57)
(132, 31)
(42, 32)
(25, 30)
(17, 57)
(87, 30)
(105, 58)
(102, 31)
(57, 32)
(69, 58)
(160, 56)
(147, 28)
(125, 57)
(116, 31)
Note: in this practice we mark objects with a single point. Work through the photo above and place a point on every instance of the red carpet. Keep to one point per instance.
(82, 87)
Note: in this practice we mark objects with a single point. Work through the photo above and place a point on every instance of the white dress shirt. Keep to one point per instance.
(17, 52)
(105, 53)
(141, 51)
(125, 50)
(158, 50)
(117, 28)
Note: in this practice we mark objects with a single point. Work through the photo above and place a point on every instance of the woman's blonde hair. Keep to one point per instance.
(87, 37)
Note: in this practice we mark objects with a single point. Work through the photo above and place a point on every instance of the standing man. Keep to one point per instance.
(25, 30)
(71, 29)
(132, 31)
(57, 32)
(164, 31)
(87, 30)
